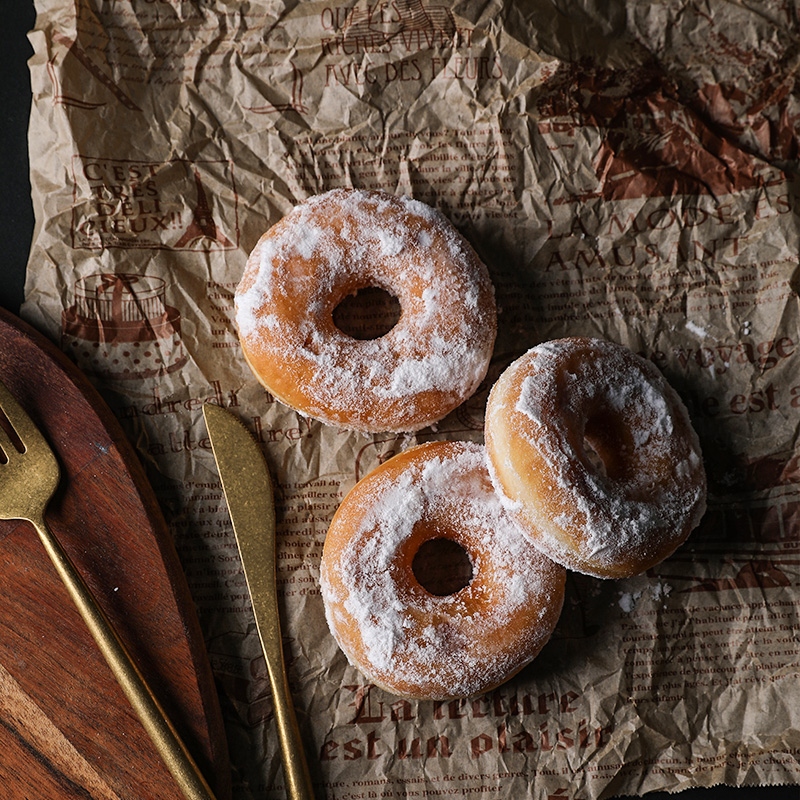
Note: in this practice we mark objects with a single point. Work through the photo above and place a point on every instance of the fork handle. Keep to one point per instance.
(166, 739)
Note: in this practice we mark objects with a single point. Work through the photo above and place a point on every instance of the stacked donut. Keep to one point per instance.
(594, 451)
(590, 463)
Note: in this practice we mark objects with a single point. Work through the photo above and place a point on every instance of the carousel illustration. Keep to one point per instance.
(121, 328)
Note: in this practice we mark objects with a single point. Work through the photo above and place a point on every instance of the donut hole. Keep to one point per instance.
(606, 445)
(442, 566)
(367, 313)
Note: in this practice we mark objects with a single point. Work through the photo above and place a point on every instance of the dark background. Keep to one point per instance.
(16, 221)
(16, 211)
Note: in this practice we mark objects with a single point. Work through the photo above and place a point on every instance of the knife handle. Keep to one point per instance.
(295, 766)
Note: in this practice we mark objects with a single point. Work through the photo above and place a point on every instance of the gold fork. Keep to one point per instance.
(29, 476)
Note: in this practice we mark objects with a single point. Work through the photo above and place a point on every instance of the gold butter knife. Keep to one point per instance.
(247, 486)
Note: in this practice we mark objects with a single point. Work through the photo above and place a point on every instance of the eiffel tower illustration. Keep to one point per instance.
(202, 226)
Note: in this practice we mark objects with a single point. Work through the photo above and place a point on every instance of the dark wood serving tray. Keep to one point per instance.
(66, 729)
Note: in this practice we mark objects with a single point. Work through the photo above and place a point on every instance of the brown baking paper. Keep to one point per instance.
(629, 174)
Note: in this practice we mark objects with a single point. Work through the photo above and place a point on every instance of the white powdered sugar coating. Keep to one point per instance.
(439, 641)
(659, 492)
(303, 268)
(308, 241)
(391, 244)
(443, 367)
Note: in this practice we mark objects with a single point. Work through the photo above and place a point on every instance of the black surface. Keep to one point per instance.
(16, 210)
(16, 213)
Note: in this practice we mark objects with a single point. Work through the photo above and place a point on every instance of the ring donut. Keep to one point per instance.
(333, 245)
(595, 450)
(398, 634)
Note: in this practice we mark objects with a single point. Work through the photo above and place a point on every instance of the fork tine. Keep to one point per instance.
(18, 419)
(10, 441)
(7, 446)
(36, 472)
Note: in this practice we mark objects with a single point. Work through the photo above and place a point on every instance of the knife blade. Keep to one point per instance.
(247, 486)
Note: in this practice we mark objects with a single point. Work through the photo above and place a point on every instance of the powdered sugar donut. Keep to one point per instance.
(330, 247)
(400, 635)
(595, 451)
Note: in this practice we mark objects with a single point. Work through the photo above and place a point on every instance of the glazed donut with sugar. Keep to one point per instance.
(330, 247)
(403, 637)
(592, 447)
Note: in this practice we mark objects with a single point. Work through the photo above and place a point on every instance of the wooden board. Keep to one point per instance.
(66, 729)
